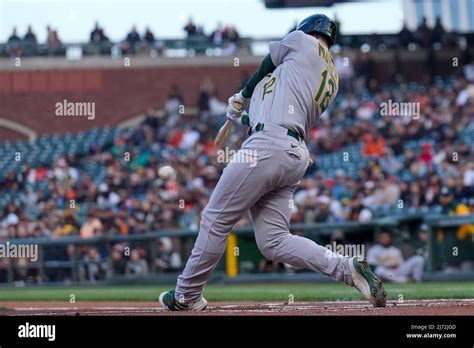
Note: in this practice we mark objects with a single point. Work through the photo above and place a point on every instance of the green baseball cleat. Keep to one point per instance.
(367, 282)
(168, 301)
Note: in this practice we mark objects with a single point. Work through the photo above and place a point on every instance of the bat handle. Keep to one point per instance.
(237, 106)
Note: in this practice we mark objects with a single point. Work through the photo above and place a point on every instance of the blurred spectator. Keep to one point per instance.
(323, 212)
(345, 69)
(52, 37)
(405, 37)
(421, 243)
(68, 225)
(448, 204)
(92, 268)
(14, 44)
(52, 41)
(4, 266)
(426, 156)
(55, 38)
(208, 103)
(338, 237)
(388, 262)
(386, 193)
(374, 145)
(465, 94)
(133, 37)
(137, 265)
(468, 65)
(269, 266)
(217, 36)
(469, 71)
(14, 38)
(49, 35)
(92, 227)
(118, 262)
(174, 106)
(205, 91)
(357, 212)
(437, 36)
(423, 33)
(30, 37)
(153, 46)
(132, 41)
(167, 258)
(190, 28)
(231, 34)
(365, 70)
(149, 37)
(97, 35)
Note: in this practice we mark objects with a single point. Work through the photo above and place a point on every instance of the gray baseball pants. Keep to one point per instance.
(262, 178)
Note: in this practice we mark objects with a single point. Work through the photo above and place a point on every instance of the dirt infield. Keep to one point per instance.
(408, 307)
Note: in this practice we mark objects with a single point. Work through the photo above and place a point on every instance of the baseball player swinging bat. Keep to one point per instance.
(298, 75)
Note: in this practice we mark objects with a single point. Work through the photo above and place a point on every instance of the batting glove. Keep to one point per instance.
(236, 106)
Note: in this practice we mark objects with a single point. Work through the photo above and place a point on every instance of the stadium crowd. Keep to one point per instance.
(365, 163)
(133, 198)
(410, 162)
(227, 39)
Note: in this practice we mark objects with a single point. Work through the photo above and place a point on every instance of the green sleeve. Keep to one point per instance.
(265, 68)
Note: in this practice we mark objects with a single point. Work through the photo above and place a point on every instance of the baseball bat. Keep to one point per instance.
(224, 133)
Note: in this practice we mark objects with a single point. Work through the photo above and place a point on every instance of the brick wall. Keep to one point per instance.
(29, 97)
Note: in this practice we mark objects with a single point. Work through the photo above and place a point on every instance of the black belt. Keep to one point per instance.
(259, 127)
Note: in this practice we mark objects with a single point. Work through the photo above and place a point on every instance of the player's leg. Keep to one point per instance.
(242, 183)
(271, 220)
(271, 216)
(228, 203)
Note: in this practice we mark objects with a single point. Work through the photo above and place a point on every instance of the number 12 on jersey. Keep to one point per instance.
(326, 90)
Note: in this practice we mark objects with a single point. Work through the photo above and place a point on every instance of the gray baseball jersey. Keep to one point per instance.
(300, 88)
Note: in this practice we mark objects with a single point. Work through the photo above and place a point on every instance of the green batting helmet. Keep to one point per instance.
(320, 24)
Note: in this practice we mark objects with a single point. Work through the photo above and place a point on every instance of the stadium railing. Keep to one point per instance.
(440, 250)
(202, 44)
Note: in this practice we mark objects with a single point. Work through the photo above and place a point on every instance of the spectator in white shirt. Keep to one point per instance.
(389, 264)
